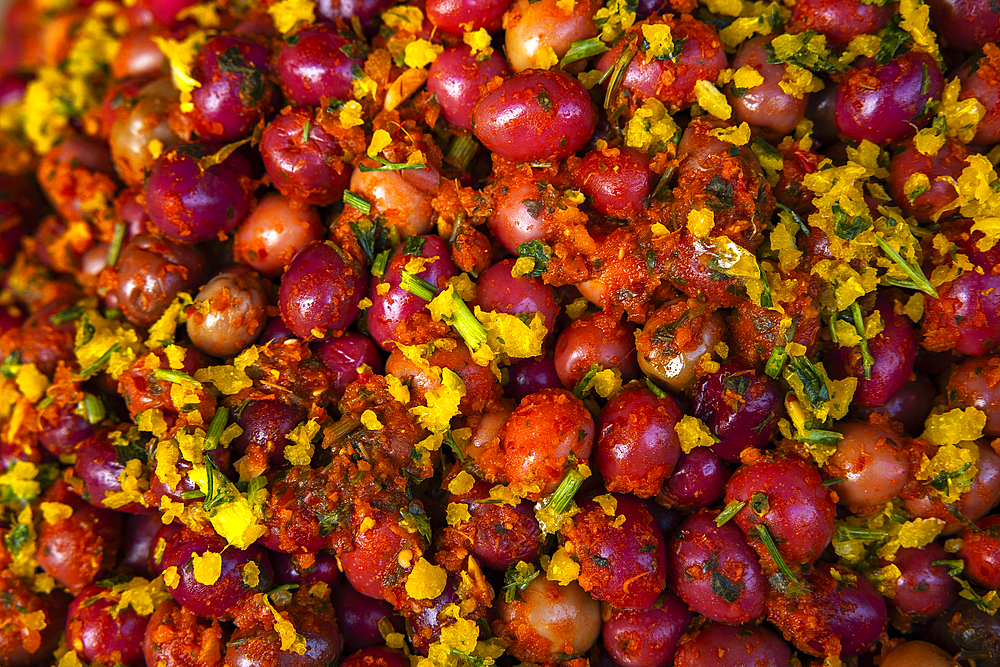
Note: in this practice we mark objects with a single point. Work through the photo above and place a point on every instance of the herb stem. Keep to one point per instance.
(859, 325)
(464, 322)
(772, 550)
(115, 247)
(461, 151)
(920, 281)
(563, 495)
(358, 202)
(731, 510)
(216, 428)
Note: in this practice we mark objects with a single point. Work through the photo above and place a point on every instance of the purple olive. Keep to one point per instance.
(893, 351)
(101, 636)
(497, 290)
(287, 569)
(265, 424)
(733, 646)
(344, 356)
(646, 637)
(715, 570)
(190, 204)
(358, 617)
(319, 64)
(395, 306)
(741, 406)
(528, 376)
(229, 590)
(637, 446)
(320, 291)
(455, 78)
(884, 103)
(698, 480)
(535, 116)
(923, 590)
(841, 613)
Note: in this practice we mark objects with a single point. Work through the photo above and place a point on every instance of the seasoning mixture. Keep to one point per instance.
(460, 333)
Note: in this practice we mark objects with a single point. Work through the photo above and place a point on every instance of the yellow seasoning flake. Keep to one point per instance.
(207, 567)
(171, 577)
(914, 308)
(175, 356)
(916, 21)
(301, 452)
(660, 40)
(152, 421)
(421, 53)
(503, 494)
(617, 16)
(142, 595)
(55, 512)
(608, 503)
(798, 81)
(576, 309)
(917, 184)
(70, 659)
(650, 127)
(884, 579)
(954, 426)
(962, 117)
(442, 403)
(133, 482)
(462, 483)
(227, 379)
(251, 575)
(562, 568)
(692, 433)
(370, 421)
(31, 382)
(929, 141)
(237, 522)
(288, 14)
(350, 114)
(522, 267)
(725, 7)
(155, 148)
(380, 140)
(181, 55)
(407, 18)
(510, 335)
(953, 468)
(426, 581)
(479, 42)
(457, 513)
(607, 382)
(320, 590)
(919, 532)
(712, 100)
(659, 229)
(590, 78)
(461, 636)
(567, 6)
(546, 58)
(747, 77)
(206, 15)
(290, 639)
(738, 136)
(399, 391)
(464, 286)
